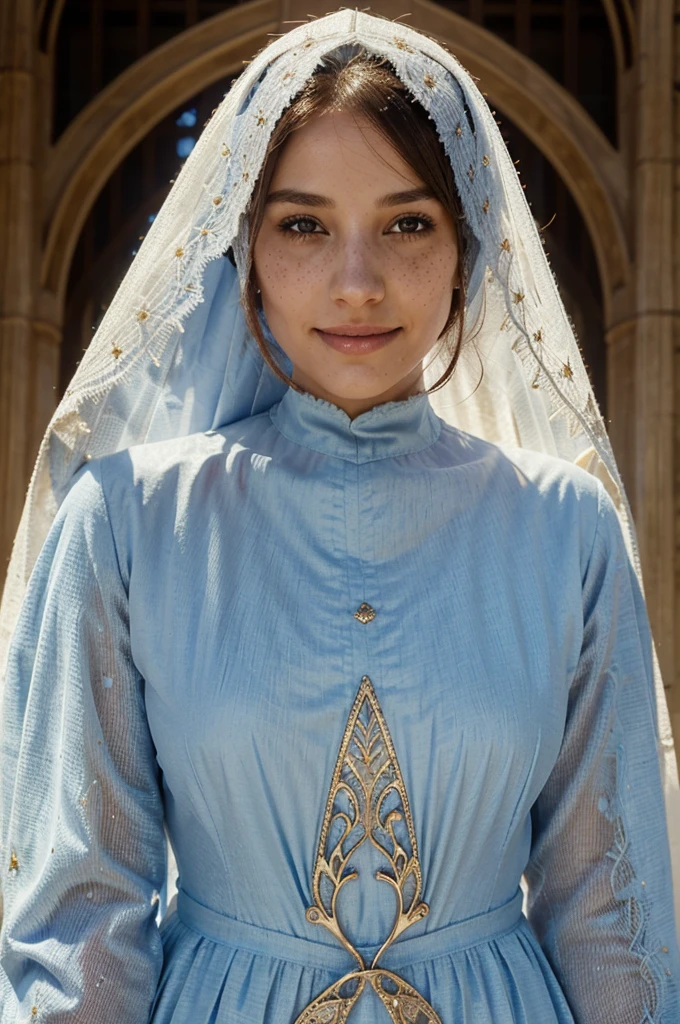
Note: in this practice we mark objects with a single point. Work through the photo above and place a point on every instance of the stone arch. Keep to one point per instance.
(109, 127)
(621, 20)
(47, 21)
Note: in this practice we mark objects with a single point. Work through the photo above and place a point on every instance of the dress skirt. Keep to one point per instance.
(488, 969)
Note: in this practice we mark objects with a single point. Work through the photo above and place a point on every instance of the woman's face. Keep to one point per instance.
(352, 246)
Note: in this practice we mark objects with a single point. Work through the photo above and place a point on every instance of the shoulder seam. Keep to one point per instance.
(596, 532)
(110, 524)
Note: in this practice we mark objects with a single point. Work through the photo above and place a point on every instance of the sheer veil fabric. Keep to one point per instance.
(173, 356)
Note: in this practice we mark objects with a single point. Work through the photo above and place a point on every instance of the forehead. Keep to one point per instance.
(340, 149)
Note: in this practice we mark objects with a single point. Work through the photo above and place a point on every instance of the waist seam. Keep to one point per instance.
(307, 952)
(236, 947)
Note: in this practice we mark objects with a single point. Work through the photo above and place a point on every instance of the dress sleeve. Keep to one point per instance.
(82, 816)
(599, 879)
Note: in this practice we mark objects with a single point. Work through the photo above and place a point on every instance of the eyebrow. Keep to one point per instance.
(290, 195)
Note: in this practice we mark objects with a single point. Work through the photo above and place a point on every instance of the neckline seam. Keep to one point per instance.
(427, 443)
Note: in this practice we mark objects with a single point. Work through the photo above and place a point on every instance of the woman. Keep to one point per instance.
(366, 668)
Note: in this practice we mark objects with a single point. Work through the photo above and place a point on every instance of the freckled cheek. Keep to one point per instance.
(424, 283)
(284, 278)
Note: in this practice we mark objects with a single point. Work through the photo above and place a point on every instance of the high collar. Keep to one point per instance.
(387, 430)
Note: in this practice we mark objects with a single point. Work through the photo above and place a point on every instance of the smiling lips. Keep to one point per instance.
(357, 339)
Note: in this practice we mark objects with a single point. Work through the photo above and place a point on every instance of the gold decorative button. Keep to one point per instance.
(365, 613)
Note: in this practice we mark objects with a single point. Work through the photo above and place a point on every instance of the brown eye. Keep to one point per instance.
(300, 226)
(412, 225)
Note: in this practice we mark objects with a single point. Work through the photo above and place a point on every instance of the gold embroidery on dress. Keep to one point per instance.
(367, 800)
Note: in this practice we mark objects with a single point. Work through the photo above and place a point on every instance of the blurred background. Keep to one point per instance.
(102, 100)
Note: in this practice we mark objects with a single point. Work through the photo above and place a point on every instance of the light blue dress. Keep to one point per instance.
(188, 656)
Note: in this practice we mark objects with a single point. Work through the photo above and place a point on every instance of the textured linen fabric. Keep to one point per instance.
(187, 654)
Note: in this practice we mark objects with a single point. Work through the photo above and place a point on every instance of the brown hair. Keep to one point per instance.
(353, 80)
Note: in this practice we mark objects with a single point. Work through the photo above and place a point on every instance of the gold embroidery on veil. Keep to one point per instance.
(367, 800)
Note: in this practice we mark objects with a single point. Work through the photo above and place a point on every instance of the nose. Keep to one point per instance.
(357, 276)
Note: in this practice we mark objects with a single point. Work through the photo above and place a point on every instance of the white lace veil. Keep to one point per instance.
(173, 356)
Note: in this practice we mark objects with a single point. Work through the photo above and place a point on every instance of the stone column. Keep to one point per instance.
(657, 320)
(674, 695)
(47, 311)
(17, 260)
